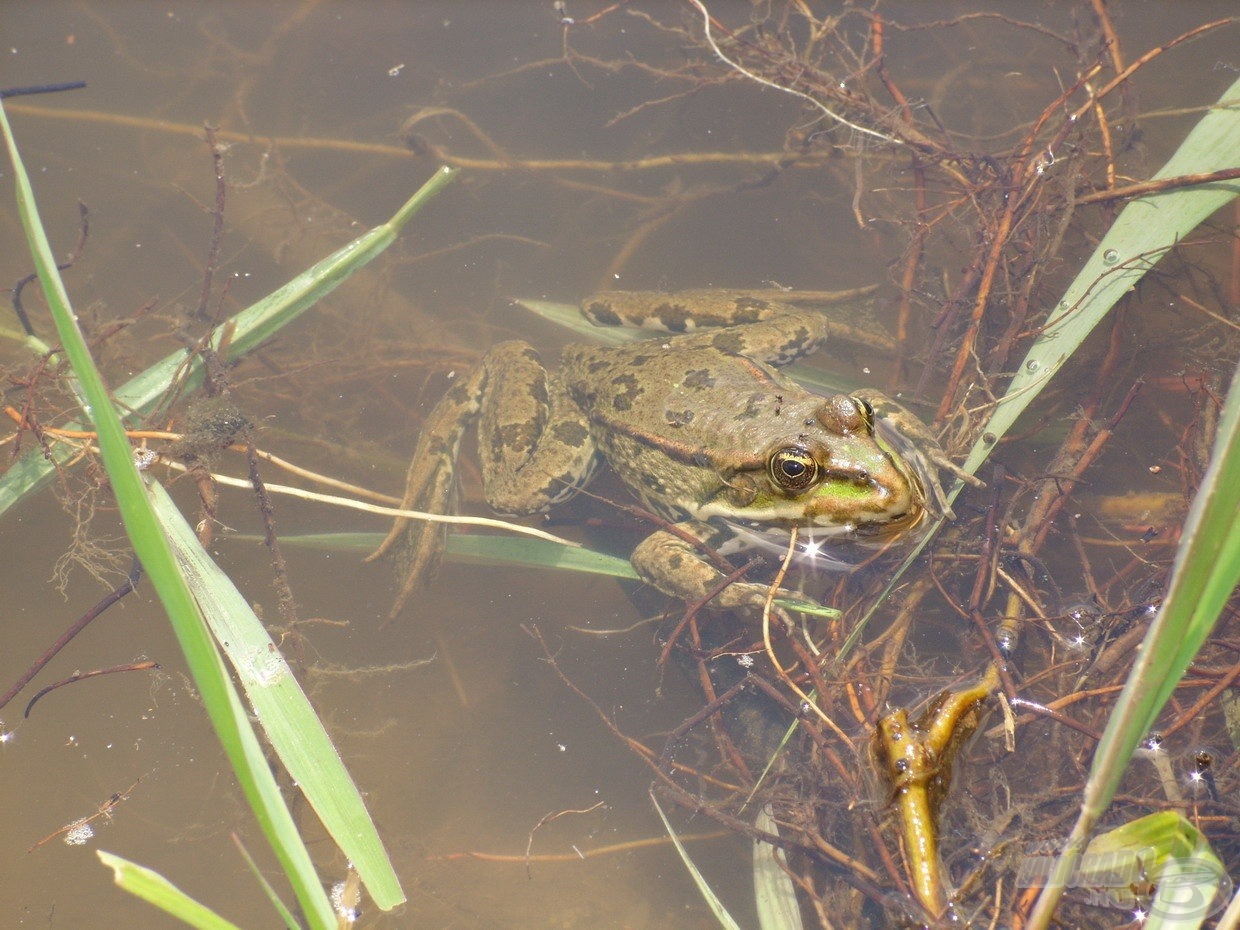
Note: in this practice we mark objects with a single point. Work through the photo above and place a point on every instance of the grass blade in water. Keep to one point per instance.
(293, 728)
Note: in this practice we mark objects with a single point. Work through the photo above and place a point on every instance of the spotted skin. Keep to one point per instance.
(689, 422)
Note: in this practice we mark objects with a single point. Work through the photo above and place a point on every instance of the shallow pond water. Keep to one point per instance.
(451, 719)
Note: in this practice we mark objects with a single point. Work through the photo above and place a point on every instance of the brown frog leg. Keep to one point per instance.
(430, 486)
(524, 431)
(534, 443)
(676, 567)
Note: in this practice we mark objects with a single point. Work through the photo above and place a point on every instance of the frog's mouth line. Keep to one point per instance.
(814, 548)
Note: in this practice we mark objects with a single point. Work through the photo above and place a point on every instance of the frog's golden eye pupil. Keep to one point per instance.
(793, 469)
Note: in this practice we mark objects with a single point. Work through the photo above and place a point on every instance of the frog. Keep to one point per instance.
(699, 424)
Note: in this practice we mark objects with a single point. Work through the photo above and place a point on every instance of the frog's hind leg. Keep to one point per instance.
(430, 487)
(534, 444)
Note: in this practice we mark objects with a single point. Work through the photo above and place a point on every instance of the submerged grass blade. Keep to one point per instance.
(250, 328)
(206, 667)
(726, 920)
(489, 549)
(291, 725)
(153, 888)
(774, 893)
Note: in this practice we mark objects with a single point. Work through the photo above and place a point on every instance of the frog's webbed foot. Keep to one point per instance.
(675, 566)
(430, 487)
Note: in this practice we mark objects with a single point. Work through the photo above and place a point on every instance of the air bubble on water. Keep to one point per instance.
(79, 834)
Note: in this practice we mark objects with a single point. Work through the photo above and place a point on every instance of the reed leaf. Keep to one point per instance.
(1207, 564)
(153, 888)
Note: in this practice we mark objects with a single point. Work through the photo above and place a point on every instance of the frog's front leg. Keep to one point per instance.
(676, 566)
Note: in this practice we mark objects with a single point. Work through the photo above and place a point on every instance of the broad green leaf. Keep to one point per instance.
(1163, 850)
(282, 708)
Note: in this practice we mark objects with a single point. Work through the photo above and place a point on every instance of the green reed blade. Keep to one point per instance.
(153, 888)
(250, 328)
(282, 708)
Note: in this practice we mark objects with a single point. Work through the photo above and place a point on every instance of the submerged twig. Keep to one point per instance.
(130, 583)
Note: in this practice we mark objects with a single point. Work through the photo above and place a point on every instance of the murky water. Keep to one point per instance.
(319, 103)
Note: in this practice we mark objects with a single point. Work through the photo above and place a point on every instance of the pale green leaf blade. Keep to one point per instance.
(153, 888)
(1136, 241)
(282, 708)
(774, 893)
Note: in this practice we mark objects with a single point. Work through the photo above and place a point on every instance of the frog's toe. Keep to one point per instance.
(417, 557)
(754, 597)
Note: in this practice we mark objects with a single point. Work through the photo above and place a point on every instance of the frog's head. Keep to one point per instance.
(834, 475)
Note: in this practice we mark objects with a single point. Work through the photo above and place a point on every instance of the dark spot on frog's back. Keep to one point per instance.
(730, 341)
(653, 483)
(748, 310)
(673, 317)
(573, 435)
(628, 390)
(678, 417)
(699, 380)
(458, 393)
(602, 314)
(753, 407)
(749, 302)
(514, 437)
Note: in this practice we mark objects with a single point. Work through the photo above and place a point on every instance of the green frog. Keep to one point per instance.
(699, 425)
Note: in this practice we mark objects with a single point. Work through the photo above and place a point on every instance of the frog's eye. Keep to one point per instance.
(845, 415)
(792, 468)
